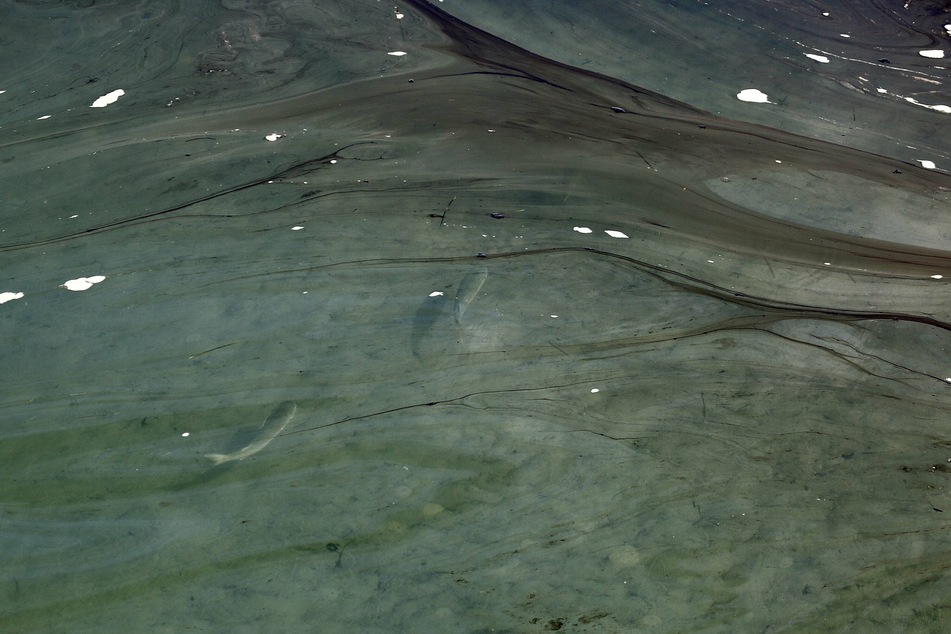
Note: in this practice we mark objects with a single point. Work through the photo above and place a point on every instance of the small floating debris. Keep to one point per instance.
(933, 53)
(107, 99)
(274, 136)
(928, 165)
(618, 109)
(822, 59)
(9, 296)
(397, 53)
(615, 234)
(753, 95)
(582, 229)
(497, 215)
(83, 283)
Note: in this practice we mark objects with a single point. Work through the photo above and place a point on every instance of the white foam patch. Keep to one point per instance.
(397, 53)
(9, 296)
(933, 53)
(938, 107)
(822, 59)
(615, 234)
(928, 165)
(107, 99)
(752, 95)
(83, 283)
(582, 229)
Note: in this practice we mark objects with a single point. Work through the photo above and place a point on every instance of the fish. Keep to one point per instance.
(468, 289)
(279, 419)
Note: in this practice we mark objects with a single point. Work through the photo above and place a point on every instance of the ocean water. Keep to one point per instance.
(504, 317)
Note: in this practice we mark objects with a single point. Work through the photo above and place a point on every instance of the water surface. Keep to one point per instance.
(576, 339)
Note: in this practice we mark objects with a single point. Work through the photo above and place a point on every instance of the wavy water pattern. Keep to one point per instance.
(547, 328)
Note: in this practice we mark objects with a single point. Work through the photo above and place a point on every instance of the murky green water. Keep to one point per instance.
(535, 327)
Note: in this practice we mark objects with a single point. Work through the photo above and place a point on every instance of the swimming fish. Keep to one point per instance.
(468, 289)
(274, 425)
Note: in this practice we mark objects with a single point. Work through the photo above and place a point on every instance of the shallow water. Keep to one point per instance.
(577, 339)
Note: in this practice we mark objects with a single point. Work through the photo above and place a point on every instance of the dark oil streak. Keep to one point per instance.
(455, 399)
(680, 280)
(300, 169)
(486, 49)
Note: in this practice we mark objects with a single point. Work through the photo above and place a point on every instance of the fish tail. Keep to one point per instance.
(217, 458)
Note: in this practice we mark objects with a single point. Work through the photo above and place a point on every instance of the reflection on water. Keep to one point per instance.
(498, 334)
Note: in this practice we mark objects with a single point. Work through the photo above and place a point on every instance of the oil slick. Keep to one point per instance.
(469, 287)
(279, 419)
